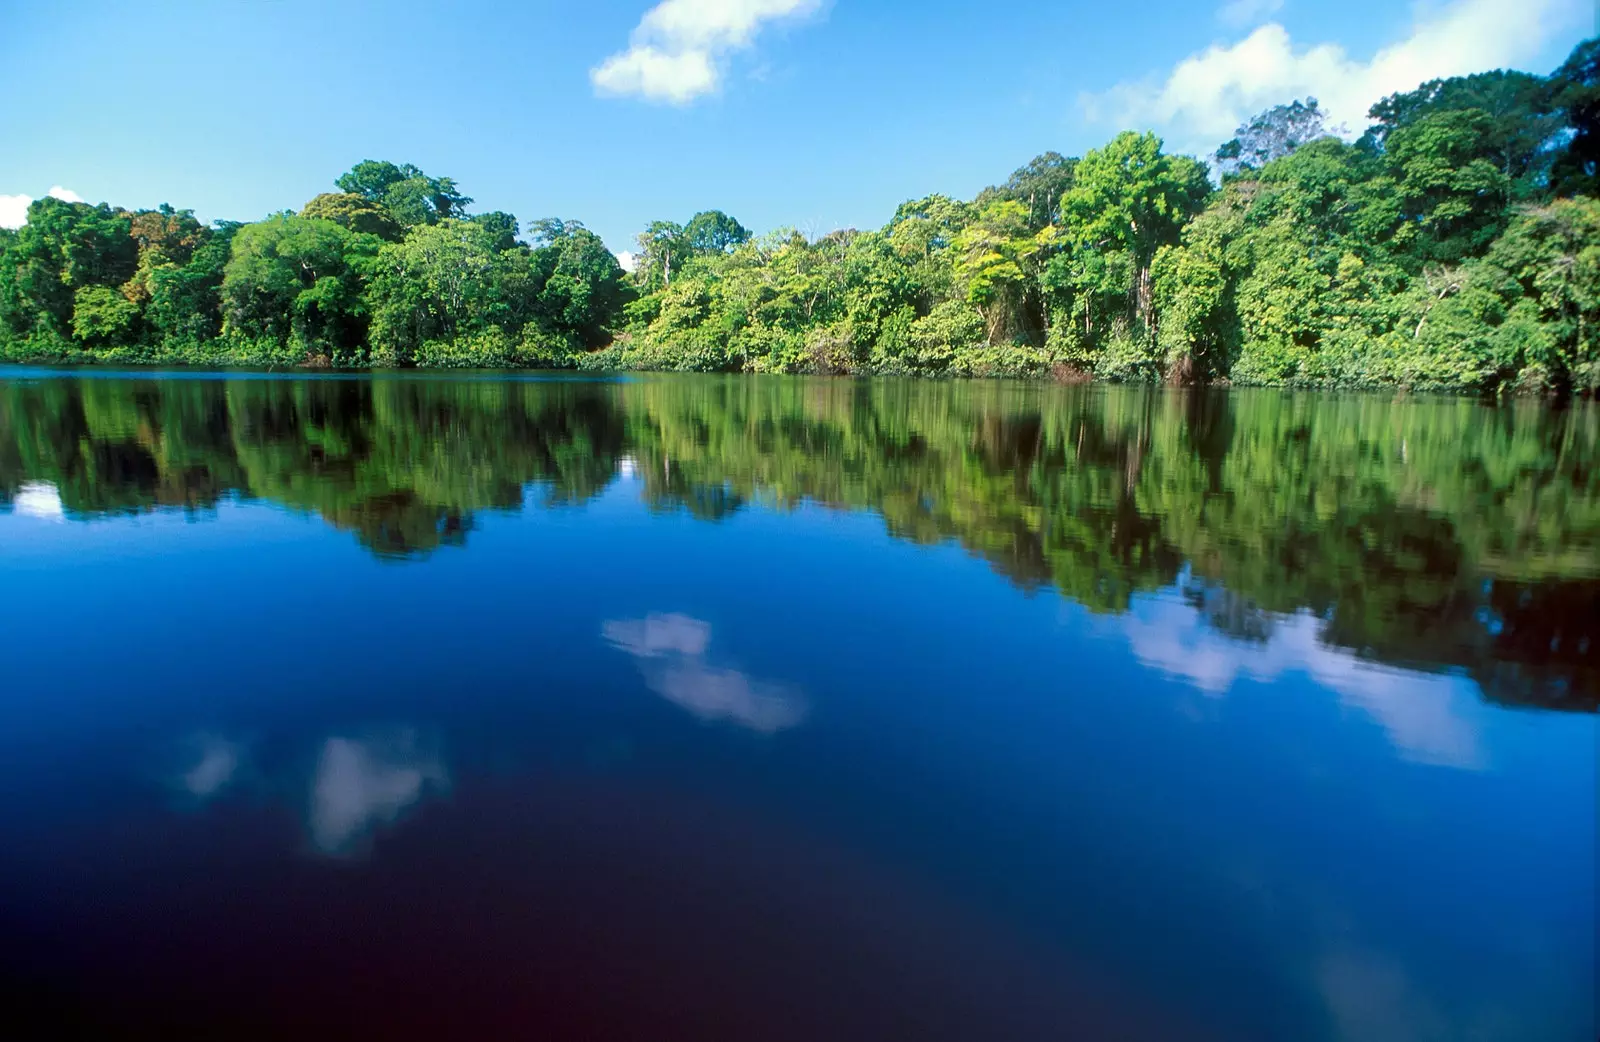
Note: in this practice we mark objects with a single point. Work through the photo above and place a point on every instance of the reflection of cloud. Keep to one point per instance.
(363, 783)
(657, 635)
(39, 499)
(671, 653)
(216, 763)
(1416, 709)
(1372, 999)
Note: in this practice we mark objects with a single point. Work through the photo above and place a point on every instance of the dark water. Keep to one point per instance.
(692, 708)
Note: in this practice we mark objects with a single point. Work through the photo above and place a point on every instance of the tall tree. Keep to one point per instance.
(712, 231)
(1038, 186)
(1128, 200)
(299, 280)
(410, 195)
(63, 248)
(1576, 99)
(1271, 135)
(354, 211)
(1452, 189)
(663, 246)
(1517, 138)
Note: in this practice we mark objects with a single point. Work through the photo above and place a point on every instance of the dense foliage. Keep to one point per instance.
(1454, 245)
(1430, 532)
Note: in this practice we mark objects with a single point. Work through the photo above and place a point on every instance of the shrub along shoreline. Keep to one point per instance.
(1454, 246)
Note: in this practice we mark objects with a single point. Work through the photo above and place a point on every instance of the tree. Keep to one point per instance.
(1453, 194)
(1271, 135)
(442, 282)
(1575, 89)
(712, 231)
(166, 239)
(102, 315)
(299, 280)
(581, 288)
(186, 302)
(663, 245)
(356, 212)
(500, 225)
(410, 195)
(62, 248)
(1038, 186)
(1517, 138)
(1128, 200)
(996, 261)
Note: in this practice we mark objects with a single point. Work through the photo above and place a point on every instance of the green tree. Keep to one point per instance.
(663, 245)
(501, 226)
(299, 280)
(713, 231)
(355, 212)
(62, 248)
(1517, 137)
(443, 282)
(1128, 200)
(410, 195)
(1575, 90)
(1453, 194)
(1038, 186)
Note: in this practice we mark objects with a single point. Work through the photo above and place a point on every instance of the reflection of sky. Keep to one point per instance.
(357, 785)
(39, 499)
(1284, 858)
(671, 651)
(361, 784)
(1419, 711)
(215, 762)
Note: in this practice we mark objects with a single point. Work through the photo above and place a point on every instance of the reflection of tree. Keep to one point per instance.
(404, 464)
(1433, 533)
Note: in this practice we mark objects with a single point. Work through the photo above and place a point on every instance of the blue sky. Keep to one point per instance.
(808, 113)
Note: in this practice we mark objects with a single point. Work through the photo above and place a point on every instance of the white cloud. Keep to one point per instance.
(1418, 711)
(1207, 95)
(671, 653)
(676, 52)
(14, 208)
(1239, 13)
(629, 261)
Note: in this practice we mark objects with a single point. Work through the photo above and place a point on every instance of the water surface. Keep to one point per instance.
(705, 708)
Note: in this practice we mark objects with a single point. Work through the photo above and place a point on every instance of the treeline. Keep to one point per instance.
(1454, 245)
(1432, 534)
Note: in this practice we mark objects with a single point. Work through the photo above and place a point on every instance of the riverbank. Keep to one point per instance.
(1018, 362)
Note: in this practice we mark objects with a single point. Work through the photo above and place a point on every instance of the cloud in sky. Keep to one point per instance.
(1240, 13)
(1206, 96)
(671, 652)
(679, 48)
(14, 208)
